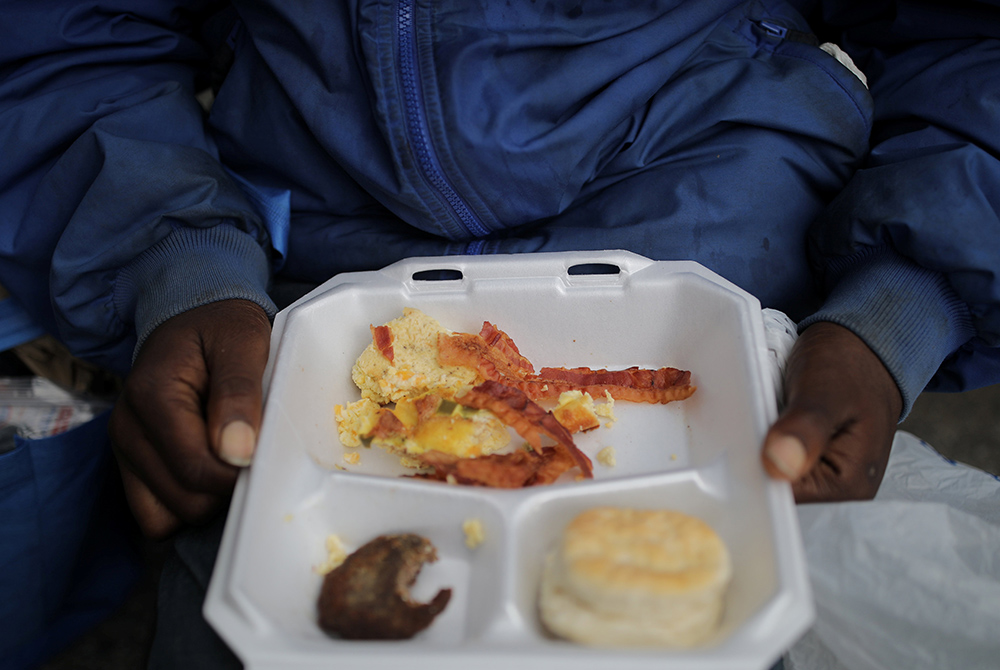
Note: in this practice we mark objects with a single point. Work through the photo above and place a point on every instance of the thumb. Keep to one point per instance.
(796, 442)
(236, 357)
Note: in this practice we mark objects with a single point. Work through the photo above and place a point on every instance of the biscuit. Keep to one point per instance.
(630, 577)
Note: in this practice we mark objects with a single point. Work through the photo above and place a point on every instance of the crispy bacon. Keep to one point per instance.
(517, 469)
(502, 471)
(427, 405)
(502, 345)
(497, 361)
(494, 355)
(388, 426)
(553, 463)
(531, 421)
(635, 384)
(382, 338)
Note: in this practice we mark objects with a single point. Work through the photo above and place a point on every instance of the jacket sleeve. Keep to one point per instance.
(116, 212)
(910, 249)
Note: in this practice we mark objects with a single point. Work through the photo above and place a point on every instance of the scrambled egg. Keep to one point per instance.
(354, 420)
(575, 410)
(462, 431)
(474, 533)
(335, 555)
(607, 409)
(414, 369)
(454, 429)
(414, 372)
(606, 456)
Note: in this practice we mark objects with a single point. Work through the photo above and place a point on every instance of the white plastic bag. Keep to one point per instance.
(34, 407)
(910, 580)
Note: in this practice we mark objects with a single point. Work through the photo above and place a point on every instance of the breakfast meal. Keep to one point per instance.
(367, 596)
(446, 403)
(443, 401)
(633, 577)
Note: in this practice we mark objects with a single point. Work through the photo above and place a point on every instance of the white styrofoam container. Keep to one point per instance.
(699, 456)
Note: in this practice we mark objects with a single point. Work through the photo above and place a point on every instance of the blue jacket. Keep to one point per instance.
(345, 136)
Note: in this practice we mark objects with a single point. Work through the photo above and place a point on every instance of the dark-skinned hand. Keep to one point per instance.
(833, 437)
(189, 413)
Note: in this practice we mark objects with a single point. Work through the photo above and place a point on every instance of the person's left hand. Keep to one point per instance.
(842, 406)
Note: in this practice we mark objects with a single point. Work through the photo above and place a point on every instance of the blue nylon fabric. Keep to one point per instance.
(930, 188)
(274, 206)
(16, 327)
(538, 156)
(65, 560)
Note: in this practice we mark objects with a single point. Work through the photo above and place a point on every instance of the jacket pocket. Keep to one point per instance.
(55, 544)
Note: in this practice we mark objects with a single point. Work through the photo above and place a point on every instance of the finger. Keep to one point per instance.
(155, 485)
(154, 519)
(851, 467)
(236, 362)
(168, 418)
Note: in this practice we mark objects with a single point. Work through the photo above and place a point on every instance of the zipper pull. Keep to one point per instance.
(773, 29)
(782, 33)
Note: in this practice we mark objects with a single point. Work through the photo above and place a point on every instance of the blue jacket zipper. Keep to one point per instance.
(782, 33)
(416, 125)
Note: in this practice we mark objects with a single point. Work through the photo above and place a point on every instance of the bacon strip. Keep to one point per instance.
(503, 346)
(502, 362)
(382, 339)
(553, 463)
(506, 471)
(635, 384)
(502, 471)
(472, 351)
(531, 421)
(388, 426)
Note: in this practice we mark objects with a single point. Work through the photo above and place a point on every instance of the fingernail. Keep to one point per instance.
(236, 443)
(788, 455)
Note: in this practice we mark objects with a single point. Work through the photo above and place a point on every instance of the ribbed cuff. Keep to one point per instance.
(189, 268)
(908, 315)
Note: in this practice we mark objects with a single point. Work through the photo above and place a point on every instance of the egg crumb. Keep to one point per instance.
(335, 555)
(352, 458)
(354, 420)
(607, 409)
(474, 533)
(575, 410)
(606, 456)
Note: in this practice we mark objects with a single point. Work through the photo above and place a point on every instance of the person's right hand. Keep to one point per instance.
(188, 416)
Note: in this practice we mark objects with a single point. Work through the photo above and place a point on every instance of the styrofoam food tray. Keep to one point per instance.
(699, 456)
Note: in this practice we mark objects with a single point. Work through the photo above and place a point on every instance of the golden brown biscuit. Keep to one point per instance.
(630, 577)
